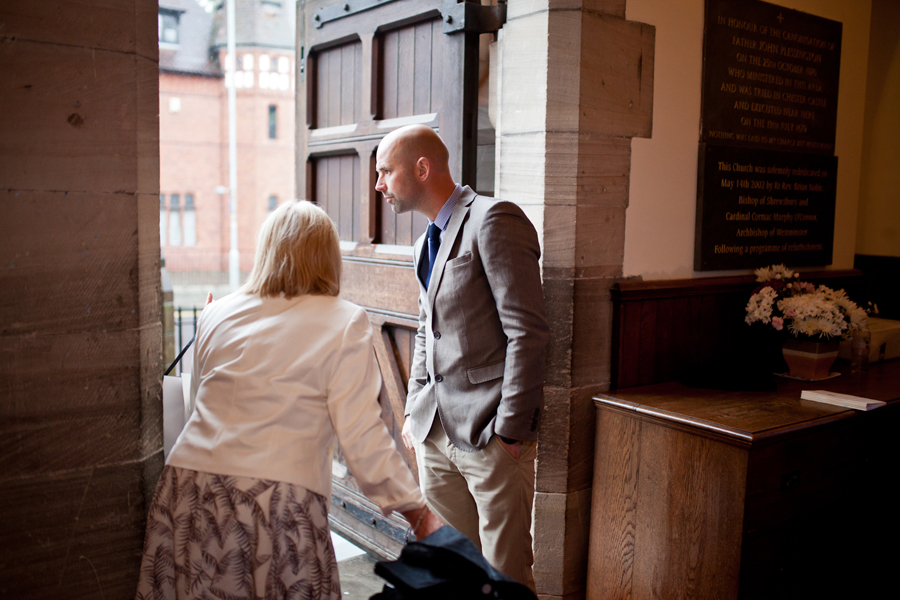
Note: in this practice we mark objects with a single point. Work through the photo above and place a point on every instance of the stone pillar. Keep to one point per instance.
(576, 84)
(80, 340)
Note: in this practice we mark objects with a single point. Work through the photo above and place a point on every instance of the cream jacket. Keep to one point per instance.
(274, 381)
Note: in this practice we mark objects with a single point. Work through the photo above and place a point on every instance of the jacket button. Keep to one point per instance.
(437, 335)
(438, 378)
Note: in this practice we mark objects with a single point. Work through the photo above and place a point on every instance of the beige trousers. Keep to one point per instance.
(486, 495)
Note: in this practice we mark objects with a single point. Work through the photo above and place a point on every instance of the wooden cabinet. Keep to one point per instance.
(709, 494)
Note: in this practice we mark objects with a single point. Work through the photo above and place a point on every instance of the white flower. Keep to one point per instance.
(759, 308)
(774, 272)
(821, 313)
(805, 310)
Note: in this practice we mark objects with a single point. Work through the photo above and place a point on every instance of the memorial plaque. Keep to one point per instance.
(758, 207)
(767, 171)
(770, 77)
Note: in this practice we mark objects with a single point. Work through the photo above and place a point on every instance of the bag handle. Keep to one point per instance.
(180, 354)
(209, 299)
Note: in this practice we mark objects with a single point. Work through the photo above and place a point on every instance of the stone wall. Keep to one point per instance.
(80, 337)
(576, 84)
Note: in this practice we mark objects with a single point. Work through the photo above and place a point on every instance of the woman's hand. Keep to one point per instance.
(423, 522)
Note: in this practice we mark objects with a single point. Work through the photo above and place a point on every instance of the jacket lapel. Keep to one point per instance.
(454, 226)
(420, 261)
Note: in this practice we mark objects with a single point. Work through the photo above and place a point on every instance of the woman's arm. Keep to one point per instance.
(353, 407)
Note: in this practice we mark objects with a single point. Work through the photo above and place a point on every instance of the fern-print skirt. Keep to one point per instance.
(221, 537)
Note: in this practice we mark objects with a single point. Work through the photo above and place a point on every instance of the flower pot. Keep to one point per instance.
(808, 359)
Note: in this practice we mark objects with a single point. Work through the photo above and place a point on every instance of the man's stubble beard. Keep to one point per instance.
(399, 207)
(410, 203)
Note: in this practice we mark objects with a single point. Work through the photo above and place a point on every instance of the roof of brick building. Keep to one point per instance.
(260, 24)
(201, 31)
(192, 54)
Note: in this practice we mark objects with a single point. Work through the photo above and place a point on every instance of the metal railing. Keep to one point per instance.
(185, 328)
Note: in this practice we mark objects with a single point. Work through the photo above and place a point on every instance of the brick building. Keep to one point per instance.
(193, 129)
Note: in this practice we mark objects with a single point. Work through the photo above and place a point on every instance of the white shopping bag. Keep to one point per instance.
(176, 408)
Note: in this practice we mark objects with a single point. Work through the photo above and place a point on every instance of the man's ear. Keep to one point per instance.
(423, 168)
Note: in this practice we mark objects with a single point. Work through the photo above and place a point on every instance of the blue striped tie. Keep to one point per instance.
(434, 243)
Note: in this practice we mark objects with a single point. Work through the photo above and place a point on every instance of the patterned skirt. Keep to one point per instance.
(222, 537)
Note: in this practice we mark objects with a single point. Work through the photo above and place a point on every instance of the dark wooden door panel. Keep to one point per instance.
(337, 85)
(391, 359)
(373, 71)
(367, 68)
(352, 514)
(410, 70)
(384, 285)
(393, 343)
(427, 97)
(336, 189)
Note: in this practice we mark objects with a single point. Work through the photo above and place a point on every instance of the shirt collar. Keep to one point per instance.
(443, 216)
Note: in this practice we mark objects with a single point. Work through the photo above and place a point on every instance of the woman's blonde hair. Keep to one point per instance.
(297, 252)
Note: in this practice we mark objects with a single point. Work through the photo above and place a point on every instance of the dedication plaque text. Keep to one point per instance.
(762, 207)
(767, 171)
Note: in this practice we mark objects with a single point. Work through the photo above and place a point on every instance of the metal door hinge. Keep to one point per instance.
(344, 9)
(472, 17)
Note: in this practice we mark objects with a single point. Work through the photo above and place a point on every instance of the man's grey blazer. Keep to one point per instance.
(482, 337)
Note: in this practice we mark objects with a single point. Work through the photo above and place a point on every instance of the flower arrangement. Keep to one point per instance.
(808, 312)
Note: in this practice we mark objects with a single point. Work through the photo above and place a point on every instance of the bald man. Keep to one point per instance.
(476, 382)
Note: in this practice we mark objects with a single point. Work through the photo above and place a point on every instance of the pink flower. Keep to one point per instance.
(790, 312)
(778, 323)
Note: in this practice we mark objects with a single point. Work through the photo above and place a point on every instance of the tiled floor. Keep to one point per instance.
(356, 569)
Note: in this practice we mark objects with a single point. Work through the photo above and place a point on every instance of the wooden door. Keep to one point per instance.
(368, 67)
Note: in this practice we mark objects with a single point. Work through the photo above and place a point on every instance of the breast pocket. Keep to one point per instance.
(459, 261)
(462, 277)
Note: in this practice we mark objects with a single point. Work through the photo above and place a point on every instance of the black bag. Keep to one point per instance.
(446, 565)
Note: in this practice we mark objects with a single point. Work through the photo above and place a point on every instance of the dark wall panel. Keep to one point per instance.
(338, 72)
(693, 329)
(336, 190)
(410, 70)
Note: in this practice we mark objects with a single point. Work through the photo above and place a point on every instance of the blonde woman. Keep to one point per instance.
(280, 368)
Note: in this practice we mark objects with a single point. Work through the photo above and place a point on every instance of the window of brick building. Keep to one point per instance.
(273, 122)
(168, 26)
(194, 214)
(190, 221)
(174, 220)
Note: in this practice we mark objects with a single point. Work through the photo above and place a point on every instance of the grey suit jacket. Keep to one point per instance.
(480, 346)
